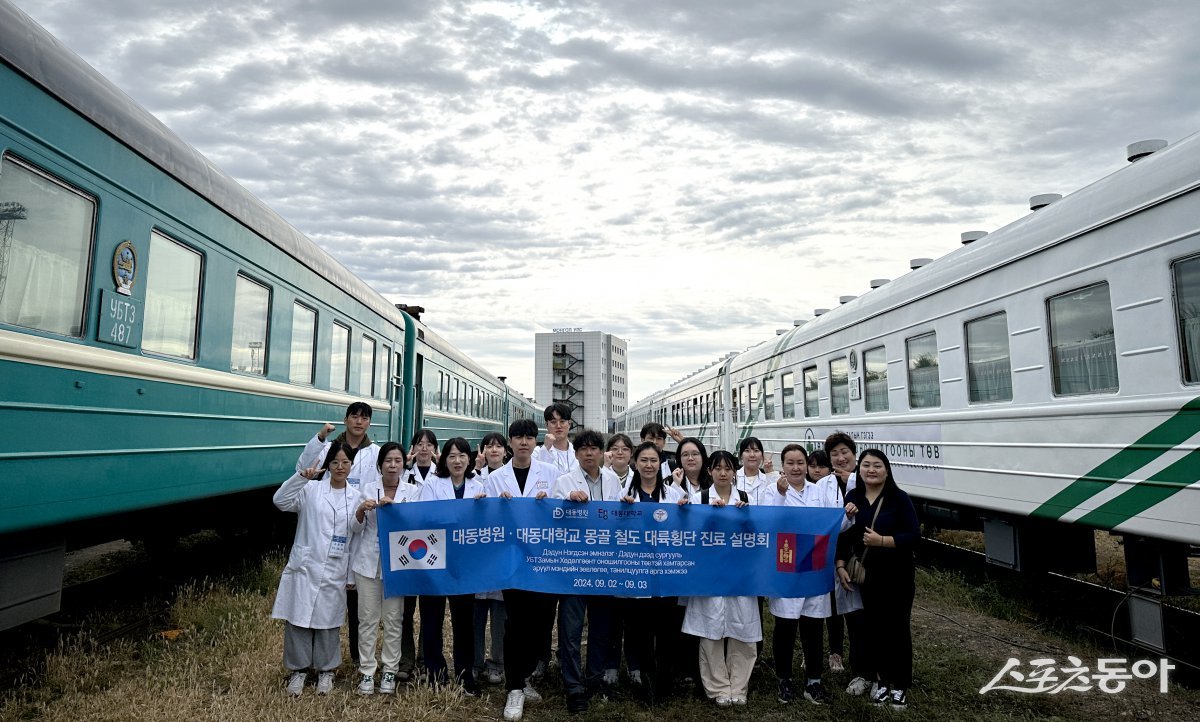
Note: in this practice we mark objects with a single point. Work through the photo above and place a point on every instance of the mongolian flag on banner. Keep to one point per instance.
(801, 552)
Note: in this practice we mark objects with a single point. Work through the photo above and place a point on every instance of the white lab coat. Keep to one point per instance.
(541, 478)
(722, 617)
(312, 589)
(366, 558)
(564, 461)
(413, 475)
(441, 488)
(819, 494)
(847, 600)
(759, 488)
(363, 469)
(576, 480)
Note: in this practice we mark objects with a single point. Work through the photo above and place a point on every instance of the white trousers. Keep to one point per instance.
(725, 666)
(372, 608)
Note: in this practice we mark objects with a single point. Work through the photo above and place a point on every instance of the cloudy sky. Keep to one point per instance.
(689, 175)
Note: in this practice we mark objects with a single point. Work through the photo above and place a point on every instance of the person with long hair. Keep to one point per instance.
(493, 454)
(455, 479)
(727, 628)
(373, 607)
(884, 536)
(422, 460)
(691, 474)
(312, 588)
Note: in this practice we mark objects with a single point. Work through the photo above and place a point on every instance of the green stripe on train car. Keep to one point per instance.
(1145, 494)
(1183, 425)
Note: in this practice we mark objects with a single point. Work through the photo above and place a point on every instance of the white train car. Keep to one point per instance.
(1043, 380)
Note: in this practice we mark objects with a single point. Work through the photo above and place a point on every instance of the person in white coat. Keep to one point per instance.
(557, 449)
(530, 615)
(618, 457)
(365, 562)
(648, 621)
(422, 460)
(728, 628)
(358, 424)
(757, 476)
(312, 588)
(455, 479)
(588, 481)
(493, 454)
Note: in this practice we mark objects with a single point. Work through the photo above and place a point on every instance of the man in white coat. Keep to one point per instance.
(557, 449)
(530, 621)
(588, 481)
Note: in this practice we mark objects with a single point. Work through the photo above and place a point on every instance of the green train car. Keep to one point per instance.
(167, 342)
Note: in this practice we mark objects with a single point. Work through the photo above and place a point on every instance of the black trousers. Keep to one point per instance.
(783, 644)
(649, 626)
(887, 615)
(352, 618)
(856, 630)
(836, 627)
(527, 631)
(408, 645)
(462, 625)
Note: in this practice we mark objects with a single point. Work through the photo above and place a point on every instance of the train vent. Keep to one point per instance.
(1136, 151)
(781, 331)
(799, 322)
(877, 282)
(916, 263)
(820, 311)
(846, 299)
(972, 236)
(1043, 200)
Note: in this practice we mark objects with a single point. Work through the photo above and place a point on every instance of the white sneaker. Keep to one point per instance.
(739, 701)
(388, 684)
(531, 694)
(514, 707)
(881, 694)
(295, 685)
(610, 677)
(724, 701)
(366, 684)
(858, 687)
(635, 676)
(324, 682)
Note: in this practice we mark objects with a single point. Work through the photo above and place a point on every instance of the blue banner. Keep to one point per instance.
(635, 550)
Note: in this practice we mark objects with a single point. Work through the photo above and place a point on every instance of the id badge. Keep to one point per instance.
(337, 547)
(352, 481)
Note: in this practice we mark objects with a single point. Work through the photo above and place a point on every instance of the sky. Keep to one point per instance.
(689, 175)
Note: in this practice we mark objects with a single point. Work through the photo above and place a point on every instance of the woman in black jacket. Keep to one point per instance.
(883, 537)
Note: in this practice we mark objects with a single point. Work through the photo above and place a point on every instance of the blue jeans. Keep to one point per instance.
(571, 612)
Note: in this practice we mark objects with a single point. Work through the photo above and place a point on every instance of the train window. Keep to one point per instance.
(172, 298)
(339, 358)
(788, 389)
(752, 399)
(988, 371)
(251, 309)
(769, 401)
(1083, 349)
(812, 402)
(1187, 310)
(366, 366)
(45, 244)
(385, 382)
(924, 385)
(304, 344)
(454, 405)
(875, 376)
(839, 386)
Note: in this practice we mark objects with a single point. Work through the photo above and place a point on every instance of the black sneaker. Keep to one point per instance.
(785, 691)
(577, 703)
(815, 692)
(898, 699)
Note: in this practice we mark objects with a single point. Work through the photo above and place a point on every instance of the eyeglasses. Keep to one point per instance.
(690, 455)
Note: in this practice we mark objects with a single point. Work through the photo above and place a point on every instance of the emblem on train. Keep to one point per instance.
(125, 267)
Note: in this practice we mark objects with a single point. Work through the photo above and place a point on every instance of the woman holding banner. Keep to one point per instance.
(455, 479)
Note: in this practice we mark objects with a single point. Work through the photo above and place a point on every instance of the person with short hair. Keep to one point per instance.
(842, 454)
(422, 465)
(530, 621)
(657, 433)
(455, 479)
(886, 526)
(588, 481)
(312, 588)
(619, 454)
(757, 476)
(557, 449)
(493, 454)
(727, 628)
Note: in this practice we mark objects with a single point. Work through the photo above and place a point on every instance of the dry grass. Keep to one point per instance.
(225, 665)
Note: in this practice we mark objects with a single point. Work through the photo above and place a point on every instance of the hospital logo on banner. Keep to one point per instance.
(417, 549)
(800, 552)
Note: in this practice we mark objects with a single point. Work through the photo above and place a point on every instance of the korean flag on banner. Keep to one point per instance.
(417, 549)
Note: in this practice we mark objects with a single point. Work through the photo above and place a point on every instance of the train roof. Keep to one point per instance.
(35, 53)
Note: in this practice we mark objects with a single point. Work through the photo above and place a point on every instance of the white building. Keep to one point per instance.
(587, 370)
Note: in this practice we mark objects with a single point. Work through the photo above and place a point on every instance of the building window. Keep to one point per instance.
(1187, 310)
(366, 367)
(875, 376)
(812, 402)
(839, 386)
(924, 385)
(1083, 347)
(339, 358)
(251, 309)
(989, 375)
(304, 344)
(788, 395)
(45, 246)
(172, 298)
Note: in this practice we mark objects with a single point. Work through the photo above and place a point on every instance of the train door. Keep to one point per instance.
(419, 394)
(394, 378)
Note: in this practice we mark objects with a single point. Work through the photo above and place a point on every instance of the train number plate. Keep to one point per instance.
(120, 320)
